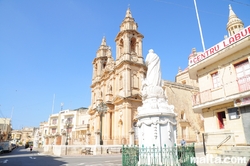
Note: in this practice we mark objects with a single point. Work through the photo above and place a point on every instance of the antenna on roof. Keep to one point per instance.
(61, 106)
(11, 113)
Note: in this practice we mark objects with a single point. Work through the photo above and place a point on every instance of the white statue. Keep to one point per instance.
(153, 77)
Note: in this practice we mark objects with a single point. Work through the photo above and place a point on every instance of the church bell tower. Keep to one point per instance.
(129, 40)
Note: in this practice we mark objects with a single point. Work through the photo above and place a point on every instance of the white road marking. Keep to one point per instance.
(5, 161)
(32, 158)
(80, 164)
(41, 154)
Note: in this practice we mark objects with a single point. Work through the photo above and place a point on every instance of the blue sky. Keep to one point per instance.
(47, 46)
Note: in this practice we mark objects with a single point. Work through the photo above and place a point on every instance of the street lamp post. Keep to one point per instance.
(67, 135)
(101, 109)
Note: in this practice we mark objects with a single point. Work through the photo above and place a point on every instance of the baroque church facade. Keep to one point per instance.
(117, 83)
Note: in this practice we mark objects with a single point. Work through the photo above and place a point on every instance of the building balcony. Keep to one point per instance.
(53, 125)
(228, 92)
(82, 127)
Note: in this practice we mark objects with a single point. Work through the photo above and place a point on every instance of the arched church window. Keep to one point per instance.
(103, 65)
(132, 44)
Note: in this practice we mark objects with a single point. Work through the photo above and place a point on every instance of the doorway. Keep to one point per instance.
(221, 118)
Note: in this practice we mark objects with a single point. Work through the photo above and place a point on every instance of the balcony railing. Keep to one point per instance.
(202, 97)
(230, 88)
(82, 127)
(244, 83)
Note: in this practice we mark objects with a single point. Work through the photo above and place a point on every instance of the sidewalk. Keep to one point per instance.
(39, 150)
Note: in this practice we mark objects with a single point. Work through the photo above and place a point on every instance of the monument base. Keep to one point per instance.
(156, 119)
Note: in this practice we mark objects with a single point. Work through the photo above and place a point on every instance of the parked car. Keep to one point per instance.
(6, 146)
(13, 146)
(1, 149)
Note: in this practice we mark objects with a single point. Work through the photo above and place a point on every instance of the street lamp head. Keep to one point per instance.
(101, 108)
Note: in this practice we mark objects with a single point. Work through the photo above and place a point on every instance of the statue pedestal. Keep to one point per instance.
(157, 129)
(157, 124)
(156, 119)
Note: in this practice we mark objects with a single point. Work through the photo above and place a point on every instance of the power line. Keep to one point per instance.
(245, 4)
(1, 113)
(203, 11)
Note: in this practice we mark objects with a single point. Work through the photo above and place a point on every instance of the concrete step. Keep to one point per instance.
(237, 152)
(241, 148)
(243, 152)
(232, 156)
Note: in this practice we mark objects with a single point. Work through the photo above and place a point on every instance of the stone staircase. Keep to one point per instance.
(237, 152)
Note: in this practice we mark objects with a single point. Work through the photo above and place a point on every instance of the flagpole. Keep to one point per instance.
(197, 15)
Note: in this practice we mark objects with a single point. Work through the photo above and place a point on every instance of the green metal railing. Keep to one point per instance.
(158, 156)
(185, 153)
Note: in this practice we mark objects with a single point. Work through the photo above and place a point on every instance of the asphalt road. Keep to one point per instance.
(23, 157)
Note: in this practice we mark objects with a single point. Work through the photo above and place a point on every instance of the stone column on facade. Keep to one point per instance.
(117, 50)
(94, 71)
(97, 137)
(131, 137)
(123, 123)
(128, 78)
(115, 126)
(108, 126)
(104, 127)
(126, 124)
(97, 122)
(140, 48)
(112, 127)
(88, 137)
(140, 57)
(129, 122)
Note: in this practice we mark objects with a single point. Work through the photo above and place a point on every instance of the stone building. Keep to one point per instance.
(224, 92)
(67, 126)
(190, 126)
(27, 134)
(5, 129)
(16, 135)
